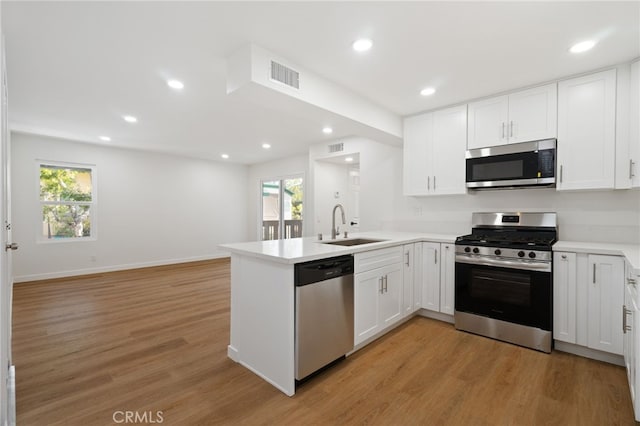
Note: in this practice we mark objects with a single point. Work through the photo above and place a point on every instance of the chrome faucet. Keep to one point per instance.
(335, 231)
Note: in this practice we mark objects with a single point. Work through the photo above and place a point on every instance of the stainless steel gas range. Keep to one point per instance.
(504, 281)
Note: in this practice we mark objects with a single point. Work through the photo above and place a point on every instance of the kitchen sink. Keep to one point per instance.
(352, 242)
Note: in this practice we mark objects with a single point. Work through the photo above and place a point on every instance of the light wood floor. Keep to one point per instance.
(156, 339)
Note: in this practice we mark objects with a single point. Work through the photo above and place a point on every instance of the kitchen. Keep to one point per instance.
(135, 232)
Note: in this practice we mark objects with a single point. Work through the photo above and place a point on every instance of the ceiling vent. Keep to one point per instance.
(336, 147)
(285, 75)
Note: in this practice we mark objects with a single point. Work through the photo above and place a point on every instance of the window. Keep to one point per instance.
(282, 208)
(67, 202)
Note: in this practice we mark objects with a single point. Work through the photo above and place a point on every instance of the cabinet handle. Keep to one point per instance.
(428, 182)
(434, 183)
(385, 284)
(503, 127)
(435, 257)
(380, 280)
(560, 173)
(631, 174)
(564, 257)
(625, 327)
(631, 281)
(407, 254)
(594, 273)
(511, 129)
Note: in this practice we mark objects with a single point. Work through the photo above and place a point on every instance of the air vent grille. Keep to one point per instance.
(336, 147)
(285, 75)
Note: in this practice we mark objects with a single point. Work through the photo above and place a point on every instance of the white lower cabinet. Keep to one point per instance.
(588, 295)
(408, 276)
(378, 292)
(438, 281)
(631, 333)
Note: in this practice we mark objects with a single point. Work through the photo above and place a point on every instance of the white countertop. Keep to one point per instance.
(296, 250)
(630, 251)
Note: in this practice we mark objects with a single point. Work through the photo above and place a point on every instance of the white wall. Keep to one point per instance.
(152, 209)
(333, 178)
(596, 216)
(278, 169)
(380, 182)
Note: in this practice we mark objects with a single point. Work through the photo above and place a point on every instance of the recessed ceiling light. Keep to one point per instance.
(225, 156)
(327, 130)
(175, 84)
(583, 46)
(105, 138)
(266, 146)
(348, 159)
(362, 45)
(130, 119)
(427, 91)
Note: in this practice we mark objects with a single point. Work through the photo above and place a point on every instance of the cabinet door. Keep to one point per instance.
(447, 278)
(628, 339)
(586, 132)
(390, 306)
(488, 122)
(605, 297)
(449, 146)
(417, 276)
(533, 114)
(564, 296)
(408, 275)
(634, 121)
(418, 137)
(367, 291)
(431, 276)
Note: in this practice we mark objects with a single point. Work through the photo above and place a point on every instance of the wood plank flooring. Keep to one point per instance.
(155, 340)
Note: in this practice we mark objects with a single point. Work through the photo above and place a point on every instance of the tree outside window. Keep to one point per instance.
(66, 198)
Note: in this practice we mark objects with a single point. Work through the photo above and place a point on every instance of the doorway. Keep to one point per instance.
(281, 208)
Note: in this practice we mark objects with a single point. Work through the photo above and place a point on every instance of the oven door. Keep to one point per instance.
(505, 293)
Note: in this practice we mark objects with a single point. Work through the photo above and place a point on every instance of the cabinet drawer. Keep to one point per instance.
(373, 259)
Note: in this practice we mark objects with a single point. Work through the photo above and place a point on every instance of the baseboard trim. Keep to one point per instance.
(436, 315)
(114, 268)
(588, 353)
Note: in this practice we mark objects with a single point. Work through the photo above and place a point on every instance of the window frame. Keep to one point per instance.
(281, 179)
(93, 204)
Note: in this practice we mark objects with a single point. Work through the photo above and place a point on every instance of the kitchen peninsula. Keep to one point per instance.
(263, 294)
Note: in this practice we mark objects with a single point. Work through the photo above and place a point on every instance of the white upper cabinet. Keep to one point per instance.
(522, 116)
(487, 122)
(418, 139)
(634, 121)
(448, 153)
(586, 132)
(434, 152)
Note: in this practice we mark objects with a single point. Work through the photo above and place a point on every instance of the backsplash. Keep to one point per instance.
(596, 216)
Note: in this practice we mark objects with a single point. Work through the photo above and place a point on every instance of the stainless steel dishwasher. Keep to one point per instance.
(324, 313)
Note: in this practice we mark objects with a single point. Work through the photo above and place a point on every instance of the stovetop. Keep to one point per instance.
(531, 240)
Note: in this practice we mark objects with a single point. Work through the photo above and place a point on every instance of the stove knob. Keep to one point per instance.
(476, 250)
(532, 255)
(497, 252)
(520, 254)
(467, 249)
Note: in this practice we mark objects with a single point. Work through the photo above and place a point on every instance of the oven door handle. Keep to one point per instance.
(513, 264)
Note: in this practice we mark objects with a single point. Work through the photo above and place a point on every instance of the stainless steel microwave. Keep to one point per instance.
(512, 166)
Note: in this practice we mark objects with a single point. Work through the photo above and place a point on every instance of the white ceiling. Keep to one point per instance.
(74, 68)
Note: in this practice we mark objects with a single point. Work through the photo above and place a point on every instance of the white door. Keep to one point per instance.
(586, 131)
(368, 289)
(447, 278)
(533, 114)
(391, 297)
(431, 276)
(564, 296)
(488, 122)
(606, 296)
(418, 135)
(6, 281)
(449, 146)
